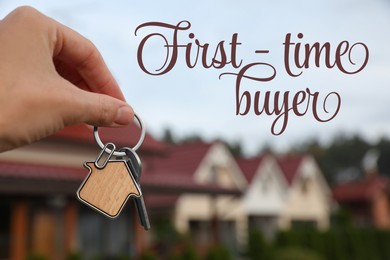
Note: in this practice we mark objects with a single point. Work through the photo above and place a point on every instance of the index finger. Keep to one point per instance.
(81, 54)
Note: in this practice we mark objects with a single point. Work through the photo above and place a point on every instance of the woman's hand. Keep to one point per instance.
(52, 77)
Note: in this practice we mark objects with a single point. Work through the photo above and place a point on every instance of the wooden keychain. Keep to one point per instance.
(109, 185)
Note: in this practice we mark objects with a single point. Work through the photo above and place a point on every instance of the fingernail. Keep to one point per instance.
(124, 116)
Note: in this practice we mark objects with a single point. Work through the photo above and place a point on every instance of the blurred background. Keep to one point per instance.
(217, 185)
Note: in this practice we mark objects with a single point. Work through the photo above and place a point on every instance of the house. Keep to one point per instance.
(285, 192)
(265, 197)
(367, 200)
(40, 215)
(309, 201)
(209, 218)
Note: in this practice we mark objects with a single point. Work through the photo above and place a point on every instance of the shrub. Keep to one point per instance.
(218, 253)
(148, 255)
(258, 248)
(74, 256)
(36, 257)
(294, 253)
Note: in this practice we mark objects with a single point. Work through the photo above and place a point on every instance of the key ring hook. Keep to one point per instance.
(140, 141)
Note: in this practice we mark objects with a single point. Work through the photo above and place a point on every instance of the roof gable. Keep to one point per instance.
(194, 162)
(219, 166)
(261, 168)
(267, 189)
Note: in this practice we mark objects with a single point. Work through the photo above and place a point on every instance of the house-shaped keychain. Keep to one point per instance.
(108, 187)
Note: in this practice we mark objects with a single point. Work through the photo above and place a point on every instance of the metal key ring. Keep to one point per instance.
(140, 141)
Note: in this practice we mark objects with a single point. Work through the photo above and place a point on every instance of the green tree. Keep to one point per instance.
(168, 136)
(342, 153)
(235, 147)
(383, 146)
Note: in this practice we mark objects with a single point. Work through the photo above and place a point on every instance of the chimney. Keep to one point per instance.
(370, 163)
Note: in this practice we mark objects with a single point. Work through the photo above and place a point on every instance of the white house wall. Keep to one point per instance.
(205, 207)
(266, 194)
(312, 205)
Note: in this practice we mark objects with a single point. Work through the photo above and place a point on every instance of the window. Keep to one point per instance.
(305, 185)
(266, 224)
(221, 175)
(200, 231)
(303, 224)
(265, 183)
(100, 236)
(5, 222)
(213, 177)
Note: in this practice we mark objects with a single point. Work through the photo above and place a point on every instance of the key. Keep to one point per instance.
(134, 164)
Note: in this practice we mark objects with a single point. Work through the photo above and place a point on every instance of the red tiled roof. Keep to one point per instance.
(289, 166)
(249, 166)
(182, 160)
(41, 172)
(121, 136)
(152, 182)
(177, 167)
(362, 190)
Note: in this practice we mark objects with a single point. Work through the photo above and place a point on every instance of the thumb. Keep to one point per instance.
(100, 110)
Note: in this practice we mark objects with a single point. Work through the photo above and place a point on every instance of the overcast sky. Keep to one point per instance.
(197, 101)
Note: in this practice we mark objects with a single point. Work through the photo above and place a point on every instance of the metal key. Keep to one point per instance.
(135, 166)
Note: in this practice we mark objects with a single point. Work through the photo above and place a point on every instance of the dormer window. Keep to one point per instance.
(305, 184)
(220, 175)
(265, 182)
(213, 177)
